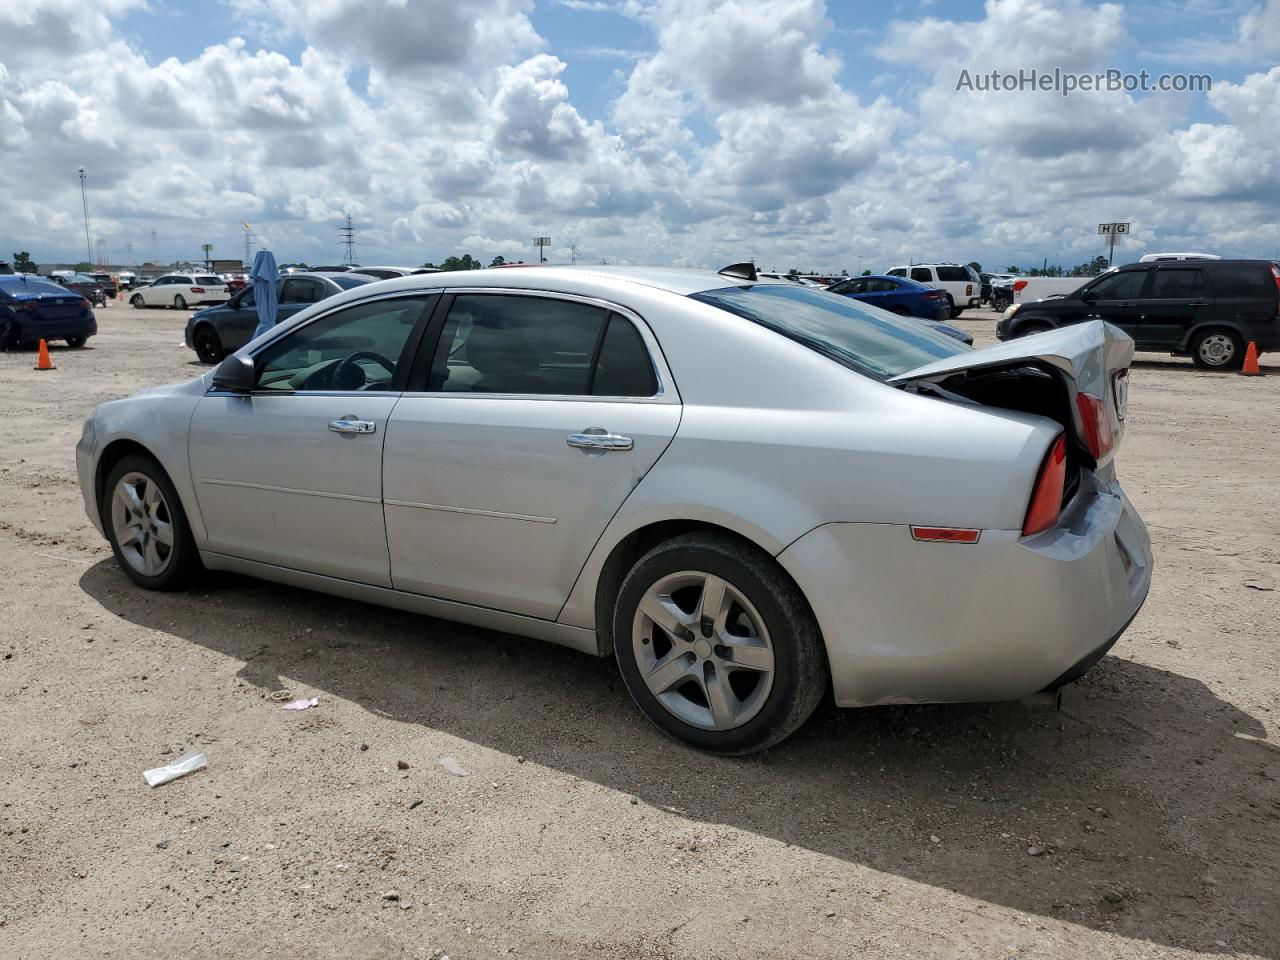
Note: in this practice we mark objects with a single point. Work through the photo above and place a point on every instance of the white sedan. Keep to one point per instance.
(748, 493)
(182, 290)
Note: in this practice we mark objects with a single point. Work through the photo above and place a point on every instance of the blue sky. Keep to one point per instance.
(684, 131)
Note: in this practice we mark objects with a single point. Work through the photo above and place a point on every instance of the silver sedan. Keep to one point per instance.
(748, 493)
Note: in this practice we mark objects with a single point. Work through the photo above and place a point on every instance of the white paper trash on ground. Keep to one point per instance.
(454, 767)
(187, 763)
(303, 704)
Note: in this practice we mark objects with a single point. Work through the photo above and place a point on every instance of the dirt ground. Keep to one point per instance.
(1141, 821)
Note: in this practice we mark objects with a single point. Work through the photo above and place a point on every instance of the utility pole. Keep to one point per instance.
(128, 251)
(155, 249)
(101, 261)
(573, 253)
(348, 234)
(84, 200)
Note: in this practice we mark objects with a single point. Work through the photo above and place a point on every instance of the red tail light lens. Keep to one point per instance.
(1019, 285)
(968, 289)
(85, 303)
(945, 534)
(197, 289)
(1097, 425)
(1046, 498)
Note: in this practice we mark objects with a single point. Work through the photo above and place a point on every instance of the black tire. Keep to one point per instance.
(183, 560)
(76, 342)
(900, 311)
(1027, 329)
(800, 676)
(179, 302)
(137, 301)
(951, 307)
(207, 344)
(1218, 348)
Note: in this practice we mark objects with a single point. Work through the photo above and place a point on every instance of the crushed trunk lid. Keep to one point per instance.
(1087, 358)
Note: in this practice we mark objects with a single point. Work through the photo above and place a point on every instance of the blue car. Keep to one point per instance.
(34, 309)
(217, 331)
(907, 298)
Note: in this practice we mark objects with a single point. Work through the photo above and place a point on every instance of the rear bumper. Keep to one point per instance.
(911, 622)
(32, 330)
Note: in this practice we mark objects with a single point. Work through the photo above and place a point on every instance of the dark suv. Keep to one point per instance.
(1208, 309)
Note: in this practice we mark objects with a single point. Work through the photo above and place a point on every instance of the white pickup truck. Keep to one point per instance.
(961, 284)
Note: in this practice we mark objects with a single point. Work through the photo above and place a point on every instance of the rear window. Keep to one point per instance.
(346, 282)
(17, 286)
(209, 281)
(954, 273)
(862, 338)
(1242, 280)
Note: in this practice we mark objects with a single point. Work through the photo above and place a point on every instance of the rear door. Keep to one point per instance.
(533, 418)
(1244, 297)
(1175, 301)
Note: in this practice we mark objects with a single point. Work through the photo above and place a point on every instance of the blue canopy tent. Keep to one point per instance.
(264, 276)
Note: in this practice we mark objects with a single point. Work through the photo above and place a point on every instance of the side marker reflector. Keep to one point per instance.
(945, 534)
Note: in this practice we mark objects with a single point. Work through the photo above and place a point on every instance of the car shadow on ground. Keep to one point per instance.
(1142, 809)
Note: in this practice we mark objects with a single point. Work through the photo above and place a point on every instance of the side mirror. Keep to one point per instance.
(236, 373)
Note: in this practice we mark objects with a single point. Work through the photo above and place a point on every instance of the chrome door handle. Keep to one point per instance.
(598, 440)
(351, 424)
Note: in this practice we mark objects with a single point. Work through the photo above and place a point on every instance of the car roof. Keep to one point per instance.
(678, 280)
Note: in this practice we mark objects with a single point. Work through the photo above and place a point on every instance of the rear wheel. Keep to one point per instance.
(951, 307)
(208, 344)
(180, 302)
(717, 646)
(137, 301)
(1219, 349)
(76, 342)
(147, 526)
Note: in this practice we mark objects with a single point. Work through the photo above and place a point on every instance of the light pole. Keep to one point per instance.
(84, 200)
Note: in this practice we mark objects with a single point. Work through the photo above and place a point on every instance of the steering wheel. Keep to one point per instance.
(349, 376)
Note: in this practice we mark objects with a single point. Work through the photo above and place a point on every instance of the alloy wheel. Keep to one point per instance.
(142, 524)
(703, 650)
(1217, 350)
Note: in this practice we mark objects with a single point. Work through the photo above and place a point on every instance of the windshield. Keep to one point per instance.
(864, 338)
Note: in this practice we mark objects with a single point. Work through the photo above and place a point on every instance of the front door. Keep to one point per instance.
(1114, 298)
(540, 415)
(291, 473)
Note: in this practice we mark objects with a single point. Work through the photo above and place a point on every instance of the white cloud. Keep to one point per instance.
(733, 134)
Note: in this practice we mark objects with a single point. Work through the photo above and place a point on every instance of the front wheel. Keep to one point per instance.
(180, 302)
(1220, 349)
(76, 342)
(147, 526)
(137, 301)
(717, 646)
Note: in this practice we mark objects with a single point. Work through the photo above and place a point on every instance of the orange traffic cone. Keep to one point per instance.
(44, 363)
(1250, 368)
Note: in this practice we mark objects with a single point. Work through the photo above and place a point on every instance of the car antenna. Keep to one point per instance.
(740, 271)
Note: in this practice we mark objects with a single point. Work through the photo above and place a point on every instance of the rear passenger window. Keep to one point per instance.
(897, 272)
(921, 274)
(539, 346)
(623, 368)
(1243, 280)
(949, 274)
(1177, 284)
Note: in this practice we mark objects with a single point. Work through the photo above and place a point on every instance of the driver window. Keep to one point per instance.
(359, 348)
